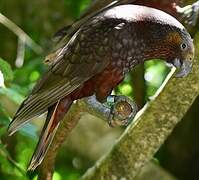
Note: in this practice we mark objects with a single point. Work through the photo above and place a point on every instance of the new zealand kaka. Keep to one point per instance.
(96, 59)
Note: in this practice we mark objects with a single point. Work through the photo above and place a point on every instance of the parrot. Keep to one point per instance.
(96, 59)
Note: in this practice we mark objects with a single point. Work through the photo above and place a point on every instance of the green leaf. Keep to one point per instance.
(125, 89)
(11, 94)
(1, 80)
(6, 69)
(4, 118)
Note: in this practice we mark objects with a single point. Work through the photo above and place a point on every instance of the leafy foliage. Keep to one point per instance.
(6, 70)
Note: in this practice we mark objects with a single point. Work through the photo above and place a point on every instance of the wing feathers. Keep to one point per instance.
(68, 72)
(38, 104)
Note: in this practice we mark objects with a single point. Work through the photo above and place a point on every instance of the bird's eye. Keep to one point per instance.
(183, 46)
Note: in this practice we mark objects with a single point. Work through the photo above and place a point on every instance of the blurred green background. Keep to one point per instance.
(40, 19)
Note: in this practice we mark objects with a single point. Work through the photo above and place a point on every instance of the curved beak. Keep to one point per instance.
(184, 67)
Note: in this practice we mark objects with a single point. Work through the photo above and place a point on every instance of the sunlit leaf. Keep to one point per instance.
(1, 80)
(29, 73)
(34, 76)
(11, 94)
(84, 4)
(125, 89)
(155, 74)
(56, 176)
(5, 68)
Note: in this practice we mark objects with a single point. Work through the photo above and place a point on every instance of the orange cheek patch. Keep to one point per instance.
(174, 38)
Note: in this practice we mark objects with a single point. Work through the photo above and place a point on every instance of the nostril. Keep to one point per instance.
(190, 58)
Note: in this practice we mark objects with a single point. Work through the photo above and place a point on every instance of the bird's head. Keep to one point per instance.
(154, 34)
(175, 46)
(182, 51)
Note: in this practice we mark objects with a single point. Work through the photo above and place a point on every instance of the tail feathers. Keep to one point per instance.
(55, 114)
(47, 135)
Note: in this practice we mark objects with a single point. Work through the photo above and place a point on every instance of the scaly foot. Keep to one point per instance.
(123, 110)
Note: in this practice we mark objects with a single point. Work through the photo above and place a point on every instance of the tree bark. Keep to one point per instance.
(143, 138)
(181, 149)
(152, 171)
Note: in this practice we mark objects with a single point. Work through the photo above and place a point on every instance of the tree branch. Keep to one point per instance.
(142, 139)
(68, 123)
(152, 171)
(20, 33)
(46, 169)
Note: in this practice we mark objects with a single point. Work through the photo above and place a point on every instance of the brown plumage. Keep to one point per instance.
(97, 58)
(62, 35)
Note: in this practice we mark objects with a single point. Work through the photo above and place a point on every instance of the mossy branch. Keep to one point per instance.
(142, 139)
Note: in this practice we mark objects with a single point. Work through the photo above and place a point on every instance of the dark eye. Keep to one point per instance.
(183, 46)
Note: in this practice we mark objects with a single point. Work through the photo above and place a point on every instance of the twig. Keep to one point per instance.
(13, 162)
(20, 53)
(20, 33)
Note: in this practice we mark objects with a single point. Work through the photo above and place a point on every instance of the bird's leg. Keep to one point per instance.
(119, 110)
(122, 110)
(189, 13)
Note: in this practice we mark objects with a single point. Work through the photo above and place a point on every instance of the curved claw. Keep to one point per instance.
(122, 112)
